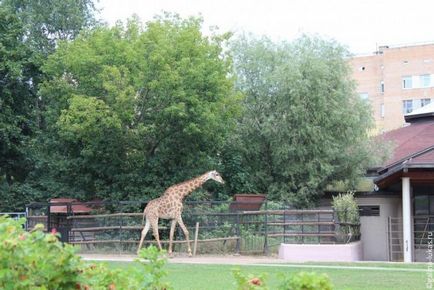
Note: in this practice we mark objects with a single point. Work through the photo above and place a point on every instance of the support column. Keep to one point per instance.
(406, 220)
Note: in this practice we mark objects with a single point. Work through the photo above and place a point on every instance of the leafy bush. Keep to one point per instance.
(35, 260)
(154, 269)
(306, 281)
(298, 281)
(249, 281)
(347, 213)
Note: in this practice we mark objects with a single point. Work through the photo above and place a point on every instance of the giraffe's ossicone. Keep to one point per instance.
(169, 206)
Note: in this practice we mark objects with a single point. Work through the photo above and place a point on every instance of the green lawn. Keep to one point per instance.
(218, 277)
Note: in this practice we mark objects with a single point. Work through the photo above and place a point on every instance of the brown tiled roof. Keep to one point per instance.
(410, 140)
(425, 158)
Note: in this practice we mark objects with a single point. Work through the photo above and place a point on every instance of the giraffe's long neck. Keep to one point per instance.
(181, 190)
(193, 184)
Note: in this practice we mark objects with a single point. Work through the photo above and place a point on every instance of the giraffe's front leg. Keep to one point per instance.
(184, 229)
(172, 232)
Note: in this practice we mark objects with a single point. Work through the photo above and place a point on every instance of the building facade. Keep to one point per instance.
(396, 81)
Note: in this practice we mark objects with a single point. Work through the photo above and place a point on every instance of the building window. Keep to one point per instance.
(382, 86)
(425, 81)
(364, 96)
(382, 110)
(423, 213)
(424, 102)
(369, 210)
(424, 205)
(407, 82)
(407, 106)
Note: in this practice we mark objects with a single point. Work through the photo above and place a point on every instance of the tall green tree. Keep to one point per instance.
(303, 126)
(48, 21)
(135, 108)
(16, 98)
(29, 31)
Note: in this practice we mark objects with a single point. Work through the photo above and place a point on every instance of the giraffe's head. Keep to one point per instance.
(214, 175)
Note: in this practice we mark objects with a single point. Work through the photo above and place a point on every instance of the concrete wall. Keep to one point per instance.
(374, 229)
(330, 253)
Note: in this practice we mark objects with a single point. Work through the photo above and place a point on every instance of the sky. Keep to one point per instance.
(361, 25)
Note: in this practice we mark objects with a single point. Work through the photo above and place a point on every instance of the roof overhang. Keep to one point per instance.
(408, 167)
(409, 118)
(422, 173)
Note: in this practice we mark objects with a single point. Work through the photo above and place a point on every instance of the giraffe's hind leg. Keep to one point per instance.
(144, 232)
(154, 225)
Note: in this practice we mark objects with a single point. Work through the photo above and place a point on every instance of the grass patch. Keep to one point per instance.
(210, 277)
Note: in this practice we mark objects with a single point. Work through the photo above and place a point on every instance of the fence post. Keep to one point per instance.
(238, 233)
(49, 217)
(388, 239)
(302, 227)
(284, 224)
(266, 229)
(120, 226)
(26, 225)
(67, 222)
(319, 227)
(336, 226)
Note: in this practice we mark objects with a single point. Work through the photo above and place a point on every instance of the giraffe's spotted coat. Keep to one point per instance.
(169, 206)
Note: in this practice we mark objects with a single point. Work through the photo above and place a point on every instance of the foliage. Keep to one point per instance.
(90, 111)
(45, 27)
(29, 32)
(154, 269)
(249, 281)
(347, 212)
(297, 281)
(132, 109)
(306, 281)
(16, 98)
(35, 260)
(303, 126)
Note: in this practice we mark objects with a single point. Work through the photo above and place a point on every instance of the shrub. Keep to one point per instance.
(153, 269)
(35, 260)
(306, 281)
(298, 281)
(249, 281)
(347, 213)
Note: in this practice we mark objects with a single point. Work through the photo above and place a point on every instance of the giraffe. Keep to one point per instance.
(169, 206)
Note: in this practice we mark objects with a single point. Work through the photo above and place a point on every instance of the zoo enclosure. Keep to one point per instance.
(224, 226)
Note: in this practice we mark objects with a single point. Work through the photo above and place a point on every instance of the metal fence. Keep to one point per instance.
(423, 228)
(14, 215)
(217, 226)
(394, 235)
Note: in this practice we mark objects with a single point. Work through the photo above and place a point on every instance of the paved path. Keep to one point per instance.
(202, 259)
(247, 260)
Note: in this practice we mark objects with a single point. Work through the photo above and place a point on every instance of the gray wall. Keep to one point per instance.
(374, 229)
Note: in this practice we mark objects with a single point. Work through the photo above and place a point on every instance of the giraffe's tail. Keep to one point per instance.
(144, 215)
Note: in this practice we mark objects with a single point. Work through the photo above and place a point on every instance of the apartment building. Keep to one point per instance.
(396, 81)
